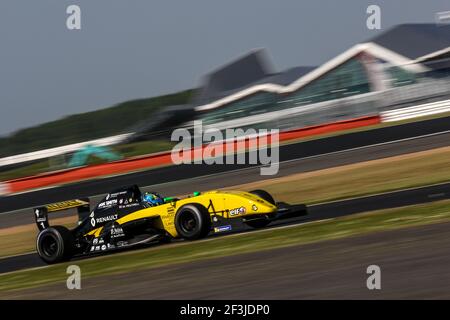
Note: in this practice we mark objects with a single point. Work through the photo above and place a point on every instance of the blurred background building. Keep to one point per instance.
(405, 66)
(412, 56)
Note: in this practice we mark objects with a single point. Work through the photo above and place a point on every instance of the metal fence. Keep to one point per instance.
(368, 104)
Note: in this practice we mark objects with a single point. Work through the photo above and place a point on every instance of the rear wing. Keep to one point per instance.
(41, 213)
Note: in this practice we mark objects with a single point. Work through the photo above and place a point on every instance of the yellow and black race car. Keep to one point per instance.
(127, 217)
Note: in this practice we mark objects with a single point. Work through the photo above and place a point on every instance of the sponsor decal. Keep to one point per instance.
(106, 219)
(95, 241)
(114, 195)
(107, 204)
(237, 211)
(117, 232)
(129, 205)
(104, 247)
(65, 205)
(222, 228)
(97, 248)
(92, 219)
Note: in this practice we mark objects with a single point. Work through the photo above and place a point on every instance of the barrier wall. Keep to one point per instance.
(164, 158)
(422, 110)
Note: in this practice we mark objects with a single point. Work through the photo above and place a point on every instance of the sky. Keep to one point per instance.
(129, 49)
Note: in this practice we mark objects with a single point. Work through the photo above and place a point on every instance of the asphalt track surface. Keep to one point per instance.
(414, 264)
(289, 152)
(317, 212)
(298, 157)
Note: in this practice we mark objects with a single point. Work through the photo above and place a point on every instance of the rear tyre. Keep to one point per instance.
(193, 221)
(55, 244)
(260, 223)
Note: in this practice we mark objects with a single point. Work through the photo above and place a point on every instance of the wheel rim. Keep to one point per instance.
(49, 245)
(188, 222)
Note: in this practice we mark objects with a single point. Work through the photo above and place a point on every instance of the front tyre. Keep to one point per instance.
(55, 244)
(193, 221)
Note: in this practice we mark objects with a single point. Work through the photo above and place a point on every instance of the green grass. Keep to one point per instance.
(243, 243)
(366, 178)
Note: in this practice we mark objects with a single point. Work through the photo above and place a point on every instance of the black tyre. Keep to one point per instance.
(193, 221)
(261, 223)
(55, 244)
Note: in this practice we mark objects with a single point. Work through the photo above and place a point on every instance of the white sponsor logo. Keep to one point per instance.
(92, 219)
(107, 203)
(116, 232)
(237, 211)
(107, 218)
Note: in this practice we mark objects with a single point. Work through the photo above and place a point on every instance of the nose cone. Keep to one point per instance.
(261, 206)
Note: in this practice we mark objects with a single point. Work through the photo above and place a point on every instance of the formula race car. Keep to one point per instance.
(128, 217)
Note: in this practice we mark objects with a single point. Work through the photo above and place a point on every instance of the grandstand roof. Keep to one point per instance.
(403, 45)
(415, 40)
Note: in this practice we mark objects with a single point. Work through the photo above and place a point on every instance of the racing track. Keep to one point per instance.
(316, 212)
(296, 157)
(434, 131)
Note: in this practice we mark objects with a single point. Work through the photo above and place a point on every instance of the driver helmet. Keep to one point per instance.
(152, 198)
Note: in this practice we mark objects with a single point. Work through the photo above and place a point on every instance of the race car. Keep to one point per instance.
(127, 217)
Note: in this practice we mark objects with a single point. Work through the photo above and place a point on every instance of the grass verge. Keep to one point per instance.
(231, 245)
(360, 179)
